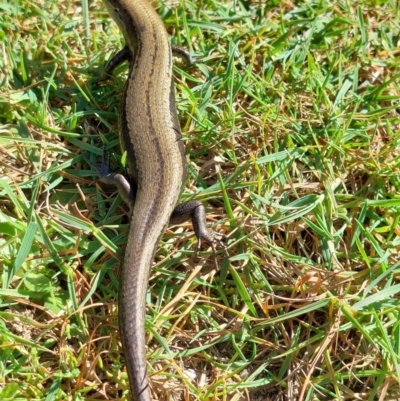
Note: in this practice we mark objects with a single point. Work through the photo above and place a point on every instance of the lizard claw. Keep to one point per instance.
(211, 237)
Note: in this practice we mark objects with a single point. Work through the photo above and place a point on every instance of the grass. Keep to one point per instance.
(292, 126)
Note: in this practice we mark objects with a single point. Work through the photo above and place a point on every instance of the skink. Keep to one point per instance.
(150, 134)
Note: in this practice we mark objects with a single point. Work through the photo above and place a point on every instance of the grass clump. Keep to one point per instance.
(291, 121)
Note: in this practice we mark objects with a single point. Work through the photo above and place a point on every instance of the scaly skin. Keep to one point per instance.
(150, 134)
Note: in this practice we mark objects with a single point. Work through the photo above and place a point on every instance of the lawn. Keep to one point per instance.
(291, 120)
